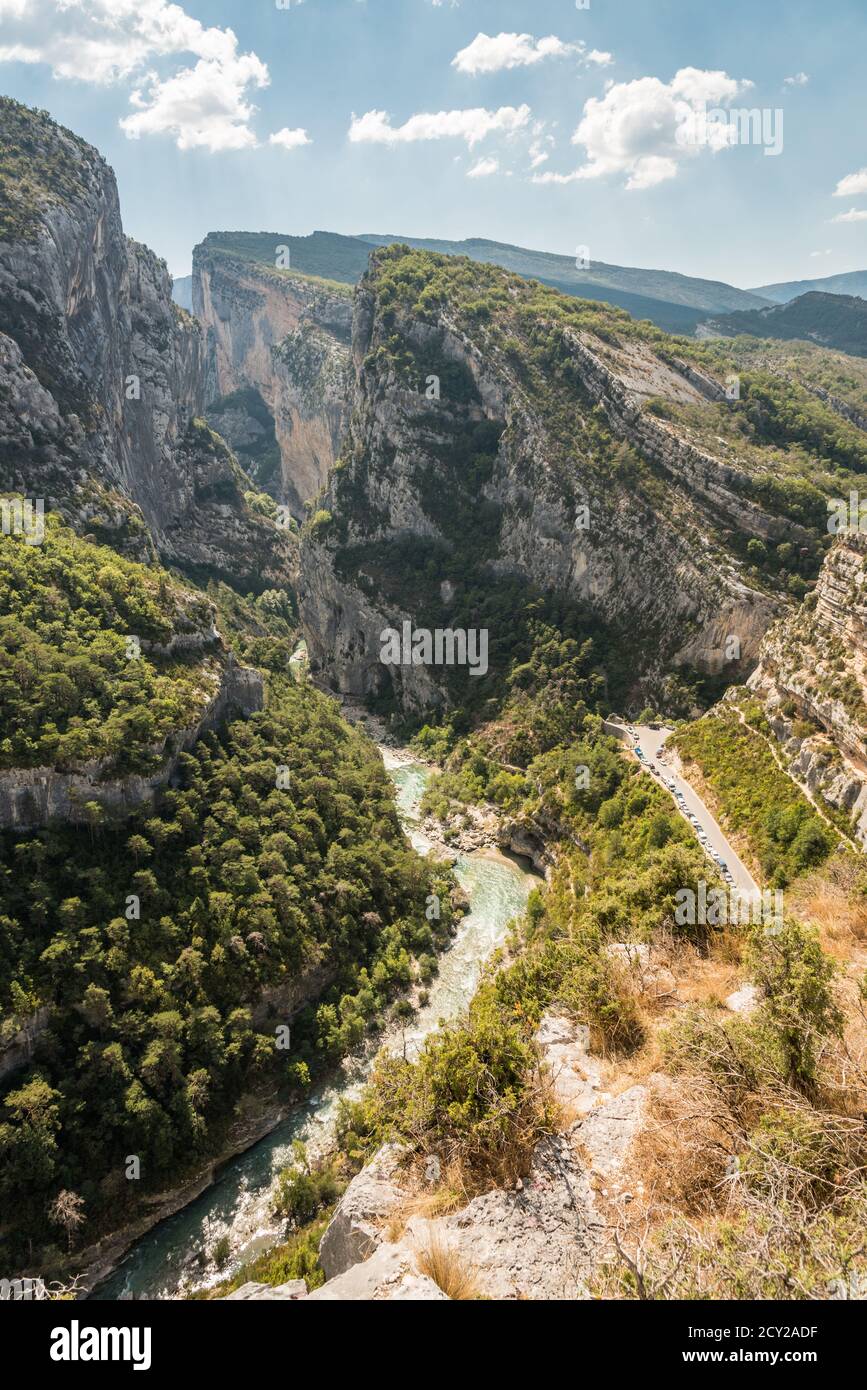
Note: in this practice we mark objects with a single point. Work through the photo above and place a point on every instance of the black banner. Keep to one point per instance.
(142, 1338)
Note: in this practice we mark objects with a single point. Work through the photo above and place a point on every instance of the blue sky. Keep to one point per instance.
(550, 145)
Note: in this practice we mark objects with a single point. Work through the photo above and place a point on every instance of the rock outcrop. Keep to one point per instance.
(279, 1293)
(543, 1239)
(285, 336)
(16, 1048)
(537, 1242)
(355, 1229)
(391, 1274)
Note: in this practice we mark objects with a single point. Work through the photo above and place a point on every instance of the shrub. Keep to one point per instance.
(795, 977)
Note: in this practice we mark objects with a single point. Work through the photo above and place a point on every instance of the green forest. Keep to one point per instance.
(151, 946)
(82, 673)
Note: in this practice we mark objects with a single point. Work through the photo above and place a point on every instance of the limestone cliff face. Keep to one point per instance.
(287, 337)
(811, 679)
(87, 316)
(100, 373)
(17, 1040)
(641, 554)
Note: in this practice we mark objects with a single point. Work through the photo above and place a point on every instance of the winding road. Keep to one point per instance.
(651, 744)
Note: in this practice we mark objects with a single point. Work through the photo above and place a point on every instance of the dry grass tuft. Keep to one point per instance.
(830, 899)
(451, 1194)
(683, 1151)
(447, 1269)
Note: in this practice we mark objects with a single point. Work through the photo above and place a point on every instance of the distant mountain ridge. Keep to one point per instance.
(674, 302)
(667, 286)
(850, 282)
(832, 320)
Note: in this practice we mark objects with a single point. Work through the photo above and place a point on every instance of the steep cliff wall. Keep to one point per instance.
(477, 458)
(100, 373)
(812, 680)
(286, 336)
(92, 317)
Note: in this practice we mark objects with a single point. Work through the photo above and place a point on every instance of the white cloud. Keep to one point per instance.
(640, 129)
(483, 169)
(290, 139)
(853, 215)
(19, 53)
(536, 152)
(500, 52)
(495, 53)
(813, 254)
(106, 40)
(852, 185)
(799, 80)
(701, 87)
(375, 128)
(203, 105)
(551, 177)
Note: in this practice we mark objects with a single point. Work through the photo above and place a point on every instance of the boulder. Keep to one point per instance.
(744, 1000)
(355, 1230)
(390, 1273)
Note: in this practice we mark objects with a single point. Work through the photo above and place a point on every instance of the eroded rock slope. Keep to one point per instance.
(811, 680)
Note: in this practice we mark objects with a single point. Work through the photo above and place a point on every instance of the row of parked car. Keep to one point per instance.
(666, 781)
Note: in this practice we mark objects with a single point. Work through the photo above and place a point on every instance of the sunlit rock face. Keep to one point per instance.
(811, 681)
(286, 337)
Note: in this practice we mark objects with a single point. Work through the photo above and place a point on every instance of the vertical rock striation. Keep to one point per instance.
(285, 336)
(101, 374)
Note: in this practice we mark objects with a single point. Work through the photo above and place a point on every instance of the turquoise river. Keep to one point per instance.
(174, 1258)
